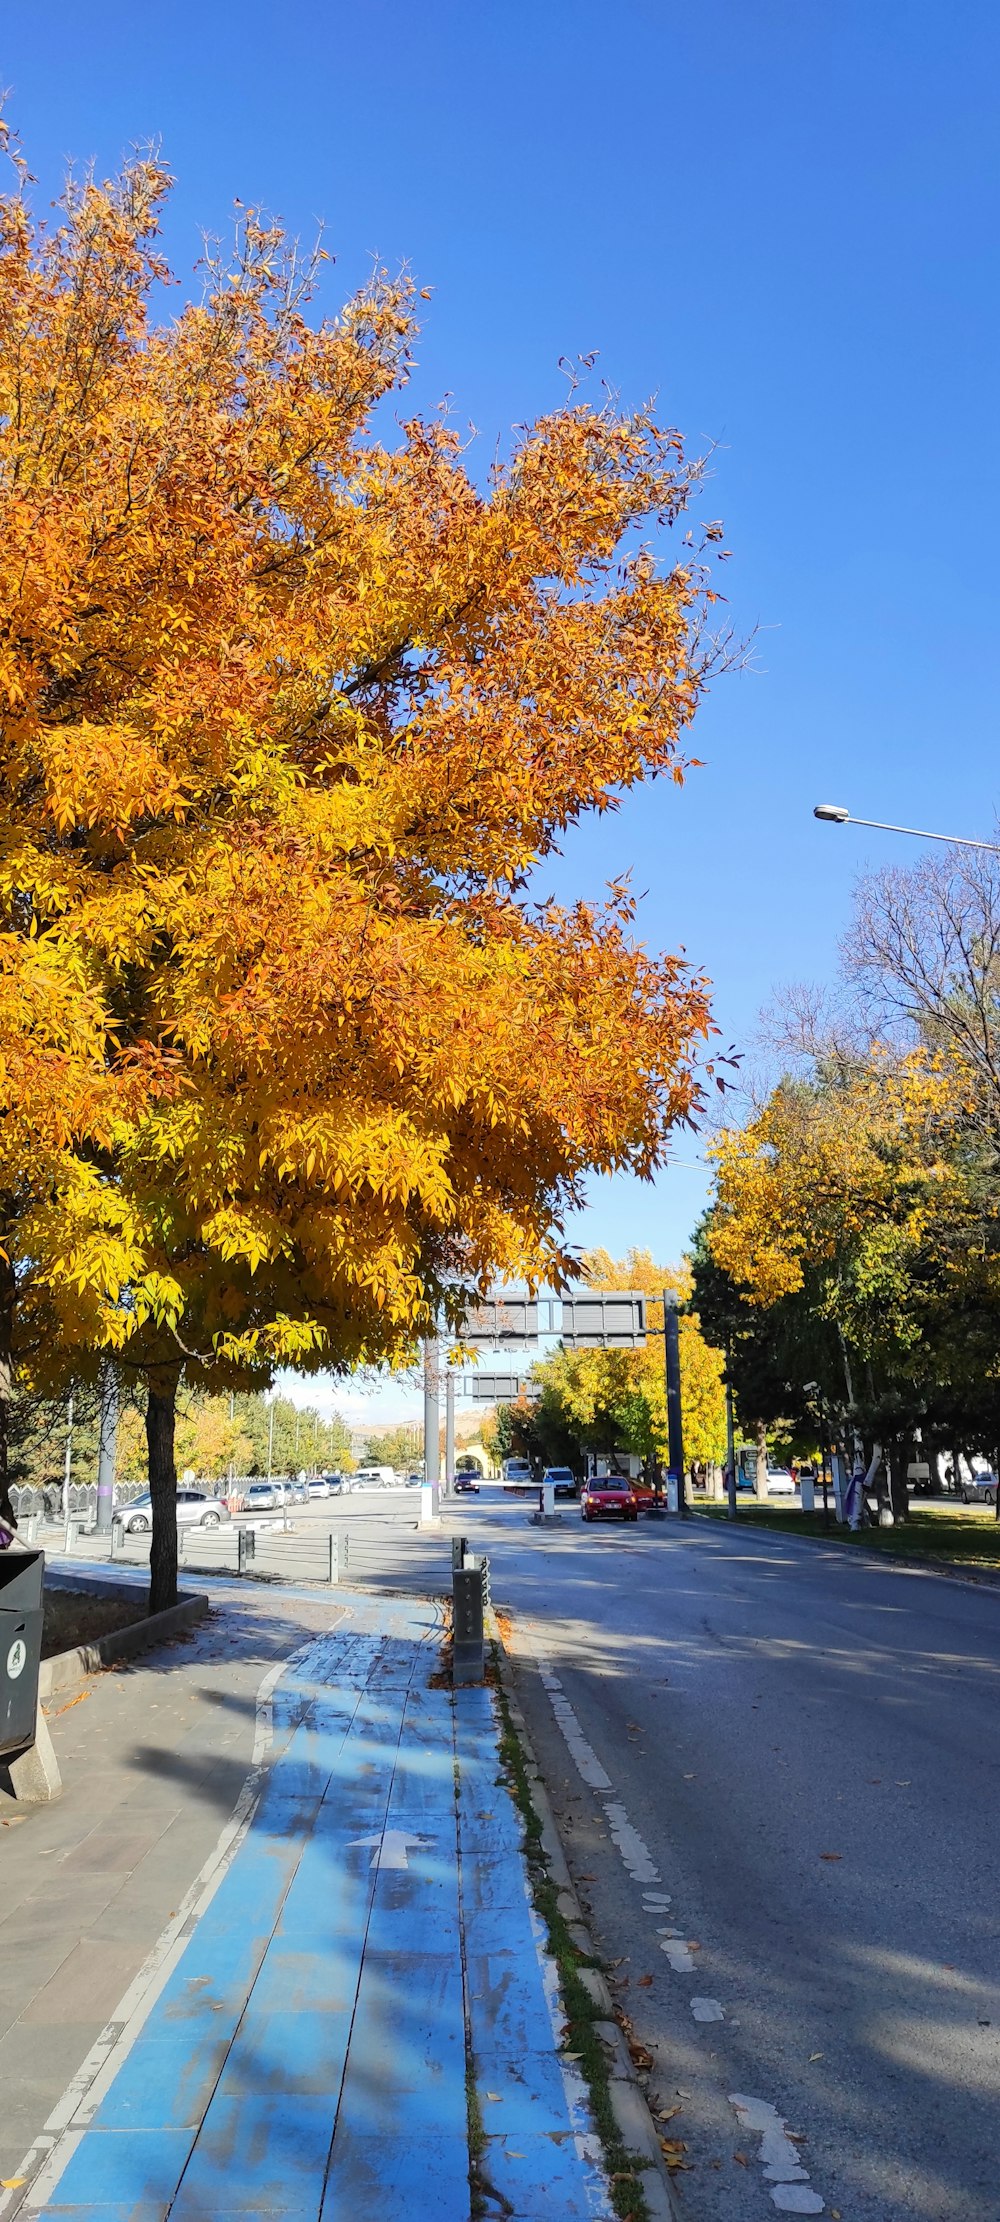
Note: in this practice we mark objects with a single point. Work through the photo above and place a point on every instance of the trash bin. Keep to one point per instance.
(21, 1574)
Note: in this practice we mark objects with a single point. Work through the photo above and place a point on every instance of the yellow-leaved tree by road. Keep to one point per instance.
(286, 716)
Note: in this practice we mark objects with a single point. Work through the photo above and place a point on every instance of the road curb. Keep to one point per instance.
(636, 2126)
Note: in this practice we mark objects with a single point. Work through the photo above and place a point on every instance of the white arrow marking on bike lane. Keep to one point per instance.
(391, 1847)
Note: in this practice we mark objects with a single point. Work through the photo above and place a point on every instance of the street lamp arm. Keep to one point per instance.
(833, 814)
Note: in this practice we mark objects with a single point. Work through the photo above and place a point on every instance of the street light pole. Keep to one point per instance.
(67, 1471)
(834, 814)
(432, 1420)
(731, 1509)
(675, 1418)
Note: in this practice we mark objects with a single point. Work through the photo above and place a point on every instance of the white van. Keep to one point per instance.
(374, 1477)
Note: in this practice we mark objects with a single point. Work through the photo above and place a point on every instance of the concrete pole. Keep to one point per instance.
(107, 1448)
(675, 1424)
(67, 1471)
(432, 1423)
(449, 1428)
(730, 1446)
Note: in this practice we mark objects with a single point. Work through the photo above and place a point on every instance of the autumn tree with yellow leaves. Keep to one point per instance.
(855, 1221)
(287, 716)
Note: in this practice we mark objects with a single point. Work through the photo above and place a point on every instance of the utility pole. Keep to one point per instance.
(107, 1447)
(270, 1433)
(730, 1444)
(67, 1471)
(432, 1420)
(675, 1421)
(449, 1427)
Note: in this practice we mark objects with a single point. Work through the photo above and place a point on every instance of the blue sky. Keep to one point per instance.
(781, 216)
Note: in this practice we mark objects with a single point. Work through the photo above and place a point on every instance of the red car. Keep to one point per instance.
(609, 1498)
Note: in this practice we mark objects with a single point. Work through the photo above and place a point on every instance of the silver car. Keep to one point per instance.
(982, 1489)
(195, 1509)
(264, 1496)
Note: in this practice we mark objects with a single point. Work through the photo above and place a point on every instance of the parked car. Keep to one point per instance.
(336, 1483)
(195, 1509)
(466, 1483)
(265, 1496)
(563, 1480)
(982, 1489)
(298, 1492)
(781, 1482)
(414, 1481)
(609, 1497)
(318, 1486)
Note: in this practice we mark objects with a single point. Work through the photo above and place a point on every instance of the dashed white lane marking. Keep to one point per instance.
(585, 1757)
(635, 1853)
(681, 1960)
(791, 2190)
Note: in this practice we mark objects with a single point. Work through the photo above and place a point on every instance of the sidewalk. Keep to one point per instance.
(361, 2020)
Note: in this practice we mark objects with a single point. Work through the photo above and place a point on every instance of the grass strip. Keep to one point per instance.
(969, 1538)
(582, 2015)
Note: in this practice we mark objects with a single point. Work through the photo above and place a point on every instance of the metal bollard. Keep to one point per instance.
(479, 1563)
(467, 1593)
(459, 1546)
(246, 1545)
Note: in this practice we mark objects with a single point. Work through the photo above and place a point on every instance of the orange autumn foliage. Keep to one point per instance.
(287, 716)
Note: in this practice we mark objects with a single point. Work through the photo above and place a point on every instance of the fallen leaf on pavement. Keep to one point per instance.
(644, 1982)
(905, 1784)
(741, 2160)
(494, 2097)
(70, 1702)
(817, 2056)
(666, 2113)
(11, 2183)
(831, 1855)
(586, 1878)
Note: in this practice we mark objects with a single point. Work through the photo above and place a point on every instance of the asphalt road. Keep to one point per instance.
(800, 1750)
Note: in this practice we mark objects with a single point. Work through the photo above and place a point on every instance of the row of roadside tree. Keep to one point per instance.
(850, 1262)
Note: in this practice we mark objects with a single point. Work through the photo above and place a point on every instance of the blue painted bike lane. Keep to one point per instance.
(371, 1949)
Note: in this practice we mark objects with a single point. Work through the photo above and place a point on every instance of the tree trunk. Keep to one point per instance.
(896, 1464)
(8, 1292)
(161, 1404)
(760, 1481)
